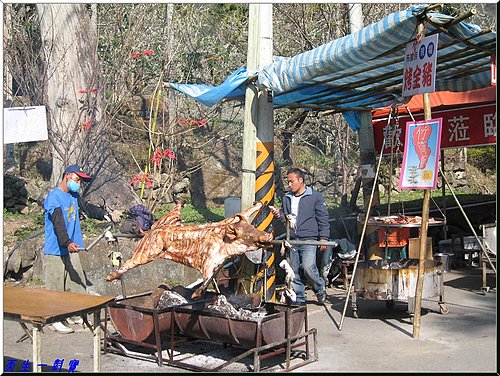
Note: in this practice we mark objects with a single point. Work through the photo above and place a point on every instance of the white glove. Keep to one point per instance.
(291, 294)
(114, 216)
(290, 275)
(292, 220)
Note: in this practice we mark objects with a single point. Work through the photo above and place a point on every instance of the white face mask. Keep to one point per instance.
(73, 186)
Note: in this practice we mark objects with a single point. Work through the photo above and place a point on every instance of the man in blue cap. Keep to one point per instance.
(63, 237)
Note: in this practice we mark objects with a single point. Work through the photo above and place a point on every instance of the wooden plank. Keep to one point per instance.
(46, 306)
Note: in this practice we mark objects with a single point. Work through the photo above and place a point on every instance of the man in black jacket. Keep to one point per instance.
(63, 236)
(308, 208)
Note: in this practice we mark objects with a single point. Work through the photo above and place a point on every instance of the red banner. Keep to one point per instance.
(468, 126)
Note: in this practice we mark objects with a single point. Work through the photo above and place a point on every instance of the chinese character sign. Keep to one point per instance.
(419, 74)
(421, 155)
(462, 127)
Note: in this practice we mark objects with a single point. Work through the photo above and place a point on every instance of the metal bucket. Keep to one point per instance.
(212, 326)
(445, 259)
(135, 322)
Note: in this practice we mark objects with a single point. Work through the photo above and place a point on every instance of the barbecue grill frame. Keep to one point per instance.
(114, 342)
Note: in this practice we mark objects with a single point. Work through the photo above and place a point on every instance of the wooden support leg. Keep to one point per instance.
(96, 323)
(37, 348)
(27, 333)
(483, 269)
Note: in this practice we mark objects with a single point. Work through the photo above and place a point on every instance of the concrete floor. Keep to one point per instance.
(380, 340)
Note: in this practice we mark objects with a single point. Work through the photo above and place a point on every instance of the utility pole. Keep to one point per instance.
(258, 123)
(258, 145)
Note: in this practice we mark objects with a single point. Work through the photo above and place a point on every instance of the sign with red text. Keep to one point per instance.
(419, 74)
(421, 155)
(461, 127)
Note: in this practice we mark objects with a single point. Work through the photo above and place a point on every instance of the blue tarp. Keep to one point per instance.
(364, 69)
(232, 88)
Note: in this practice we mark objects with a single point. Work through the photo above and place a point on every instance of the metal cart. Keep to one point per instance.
(395, 280)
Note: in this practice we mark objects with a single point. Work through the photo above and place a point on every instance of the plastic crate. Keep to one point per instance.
(396, 237)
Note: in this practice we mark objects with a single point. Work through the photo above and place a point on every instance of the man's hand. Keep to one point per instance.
(73, 247)
(275, 211)
(323, 248)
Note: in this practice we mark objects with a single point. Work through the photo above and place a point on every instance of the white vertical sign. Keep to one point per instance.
(419, 75)
(24, 124)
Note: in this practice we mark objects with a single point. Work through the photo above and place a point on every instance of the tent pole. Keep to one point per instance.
(443, 190)
(361, 240)
(423, 230)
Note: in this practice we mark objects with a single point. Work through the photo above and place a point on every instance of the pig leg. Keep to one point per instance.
(203, 287)
(171, 218)
(148, 249)
(129, 264)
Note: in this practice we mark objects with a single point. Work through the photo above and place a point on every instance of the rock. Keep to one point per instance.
(181, 187)
(36, 189)
(22, 258)
(15, 194)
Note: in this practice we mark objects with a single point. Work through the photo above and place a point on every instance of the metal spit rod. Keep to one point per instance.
(305, 242)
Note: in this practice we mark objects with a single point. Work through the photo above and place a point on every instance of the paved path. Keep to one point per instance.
(380, 340)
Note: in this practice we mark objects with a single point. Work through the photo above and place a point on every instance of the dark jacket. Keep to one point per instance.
(312, 219)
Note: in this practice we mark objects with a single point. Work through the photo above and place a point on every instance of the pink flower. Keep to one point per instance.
(141, 178)
(209, 58)
(135, 55)
(159, 155)
(193, 122)
(169, 153)
(88, 124)
(88, 91)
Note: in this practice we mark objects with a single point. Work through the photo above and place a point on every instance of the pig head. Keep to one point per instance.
(203, 247)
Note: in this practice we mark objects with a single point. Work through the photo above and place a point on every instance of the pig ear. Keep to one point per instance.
(230, 232)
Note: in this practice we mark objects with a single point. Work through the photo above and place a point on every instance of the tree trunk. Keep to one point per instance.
(75, 103)
(292, 125)
(10, 160)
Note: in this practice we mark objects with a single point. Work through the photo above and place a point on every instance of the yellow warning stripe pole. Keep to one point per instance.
(264, 192)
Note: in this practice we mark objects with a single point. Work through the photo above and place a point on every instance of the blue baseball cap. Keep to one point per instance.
(77, 170)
